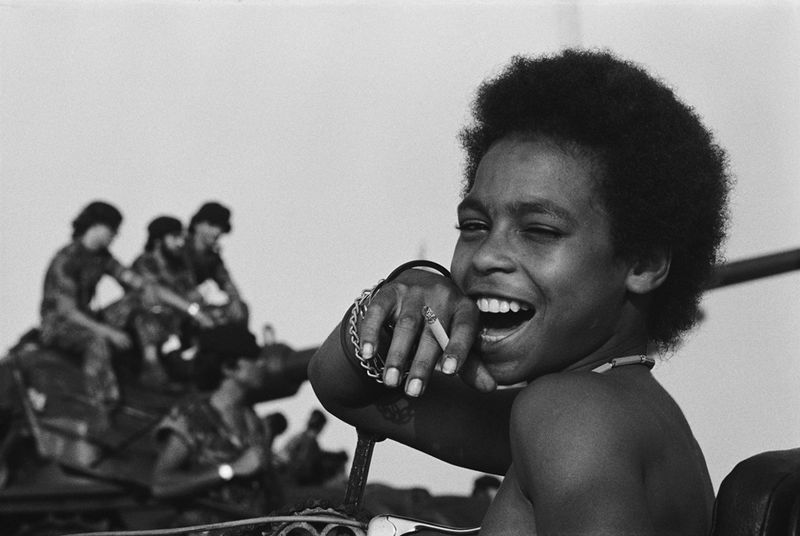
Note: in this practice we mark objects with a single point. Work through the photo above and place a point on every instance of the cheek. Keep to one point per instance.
(593, 306)
(584, 282)
(460, 263)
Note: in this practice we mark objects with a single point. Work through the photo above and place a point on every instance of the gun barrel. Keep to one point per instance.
(744, 270)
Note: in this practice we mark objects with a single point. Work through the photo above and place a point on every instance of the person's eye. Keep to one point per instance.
(541, 232)
(471, 227)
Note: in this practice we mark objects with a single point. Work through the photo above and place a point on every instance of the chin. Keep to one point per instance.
(505, 373)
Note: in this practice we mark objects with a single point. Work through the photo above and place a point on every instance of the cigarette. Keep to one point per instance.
(435, 326)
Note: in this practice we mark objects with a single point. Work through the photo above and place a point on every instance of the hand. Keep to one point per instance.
(118, 338)
(413, 348)
(204, 320)
(250, 462)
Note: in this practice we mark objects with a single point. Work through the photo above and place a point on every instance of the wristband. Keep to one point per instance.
(225, 471)
(419, 263)
(193, 309)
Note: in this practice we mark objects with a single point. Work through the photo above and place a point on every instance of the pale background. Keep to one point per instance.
(330, 130)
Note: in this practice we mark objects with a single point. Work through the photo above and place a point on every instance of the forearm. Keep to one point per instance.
(69, 312)
(337, 381)
(168, 297)
(181, 483)
(450, 421)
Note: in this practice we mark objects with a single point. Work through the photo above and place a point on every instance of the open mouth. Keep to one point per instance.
(502, 317)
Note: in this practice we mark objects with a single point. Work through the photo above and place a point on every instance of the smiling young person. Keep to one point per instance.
(593, 209)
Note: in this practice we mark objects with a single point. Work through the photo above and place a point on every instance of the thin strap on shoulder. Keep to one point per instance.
(641, 359)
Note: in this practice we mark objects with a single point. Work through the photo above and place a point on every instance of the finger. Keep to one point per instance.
(463, 332)
(378, 313)
(475, 373)
(425, 359)
(405, 335)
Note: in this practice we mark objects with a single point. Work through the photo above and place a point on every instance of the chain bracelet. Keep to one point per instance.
(373, 366)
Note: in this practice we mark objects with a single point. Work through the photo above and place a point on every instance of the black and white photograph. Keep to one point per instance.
(399, 267)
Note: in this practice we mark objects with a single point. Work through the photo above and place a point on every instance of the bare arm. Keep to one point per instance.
(451, 420)
(169, 477)
(172, 479)
(578, 461)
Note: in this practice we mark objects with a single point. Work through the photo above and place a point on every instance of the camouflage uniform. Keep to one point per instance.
(69, 285)
(208, 264)
(156, 322)
(211, 442)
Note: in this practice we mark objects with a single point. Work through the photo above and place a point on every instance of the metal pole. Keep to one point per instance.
(359, 470)
(735, 272)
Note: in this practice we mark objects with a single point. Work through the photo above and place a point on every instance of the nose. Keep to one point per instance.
(495, 253)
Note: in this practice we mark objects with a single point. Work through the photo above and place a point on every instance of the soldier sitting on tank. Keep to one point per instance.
(214, 451)
(164, 330)
(202, 252)
(68, 321)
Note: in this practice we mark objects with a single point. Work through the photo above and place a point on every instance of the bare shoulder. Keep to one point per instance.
(573, 418)
(616, 444)
(577, 403)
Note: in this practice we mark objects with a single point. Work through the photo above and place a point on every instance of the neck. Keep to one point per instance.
(629, 337)
(228, 395)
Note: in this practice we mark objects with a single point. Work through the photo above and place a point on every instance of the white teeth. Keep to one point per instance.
(496, 305)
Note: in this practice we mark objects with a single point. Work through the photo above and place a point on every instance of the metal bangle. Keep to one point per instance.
(374, 365)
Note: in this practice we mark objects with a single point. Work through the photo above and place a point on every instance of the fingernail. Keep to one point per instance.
(391, 377)
(414, 387)
(366, 350)
(449, 365)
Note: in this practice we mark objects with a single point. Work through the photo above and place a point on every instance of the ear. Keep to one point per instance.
(648, 272)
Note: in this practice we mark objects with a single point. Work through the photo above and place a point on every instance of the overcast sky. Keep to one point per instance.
(330, 130)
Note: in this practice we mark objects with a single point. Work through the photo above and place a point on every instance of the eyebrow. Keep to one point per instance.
(536, 206)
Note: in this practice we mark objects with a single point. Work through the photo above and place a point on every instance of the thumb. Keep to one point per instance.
(475, 374)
